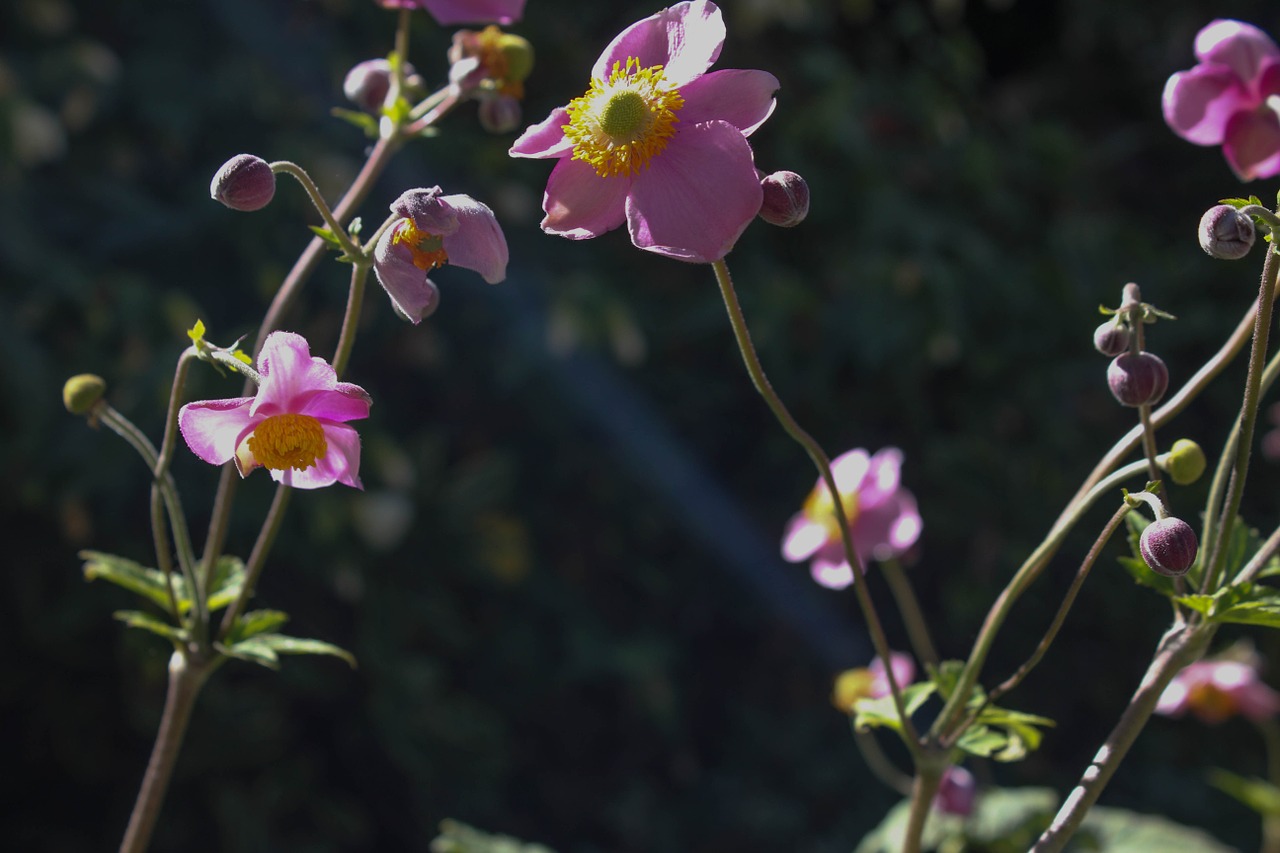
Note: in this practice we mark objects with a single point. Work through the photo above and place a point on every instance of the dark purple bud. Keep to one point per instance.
(1226, 233)
(786, 199)
(367, 84)
(244, 182)
(1169, 546)
(499, 113)
(1137, 379)
(1111, 338)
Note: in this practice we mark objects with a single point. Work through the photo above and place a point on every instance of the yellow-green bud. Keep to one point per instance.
(1184, 463)
(81, 393)
(519, 56)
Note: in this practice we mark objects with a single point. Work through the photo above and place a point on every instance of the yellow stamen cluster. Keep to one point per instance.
(623, 122)
(819, 507)
(427, 249)
(288, 441)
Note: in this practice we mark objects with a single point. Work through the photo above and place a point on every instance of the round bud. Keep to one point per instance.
(1226, 233)
(1169, 546)
(518, 54)
(81, 393)
(1137, 379)
(786, 199)
(499, 113)
(367, 84)
(1184, 463)
(244, 182)
(1111, 338)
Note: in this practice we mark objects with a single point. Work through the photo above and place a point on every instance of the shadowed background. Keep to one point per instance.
(562, 581)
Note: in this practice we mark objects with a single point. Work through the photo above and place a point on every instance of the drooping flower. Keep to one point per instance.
(870, 682)
(657, 141)
(295, 426)
(448, 12)
(880, 513)
(435, 230)
(1215, 690)
(1231, 97)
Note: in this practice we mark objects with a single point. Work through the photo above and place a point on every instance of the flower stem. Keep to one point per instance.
(743, 337)
(1270, 732)
(924, 789)
(339, 233)
(257, 557)
(909, 608)
(878, 763)
(351, 318)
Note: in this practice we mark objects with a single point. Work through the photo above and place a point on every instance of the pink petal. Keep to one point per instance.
(884, 476)
(1198, 103)
(473, 11)
(1252, 145)
(212, 428)
(802, 539)
(288, 371)
(902, 666)
(685, 39)
(544, 140)
(346, 402)
(849, 469)
(341, 464)
(832, 575)
(478, 244)
(580, 204)
(697, 196)
(742, 98)
(413, 294)
(1239, 46)
(428, 209)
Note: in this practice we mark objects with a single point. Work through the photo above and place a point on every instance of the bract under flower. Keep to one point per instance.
(295, 425)
(881, 516)
(657, 141)
(433, 230)
(1231, 97)
(463, 11)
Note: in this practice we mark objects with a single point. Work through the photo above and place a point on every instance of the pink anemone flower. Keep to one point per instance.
(870, 681)
(657, 141)
(295, 426)
(448, 12)
(436, 230)
(881, 516)
(1231, 97)
(1215, 690)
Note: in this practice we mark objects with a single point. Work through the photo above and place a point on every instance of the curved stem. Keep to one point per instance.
(743, 336)
(909, 607)
(879, 764)
(257, 557)
(340, 234)
(351, 318)
(177, 517)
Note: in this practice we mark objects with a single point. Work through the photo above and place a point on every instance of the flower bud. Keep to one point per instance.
(1184, 463)
(1111, 338)
(499, 113)
(786, 199)
(244, 182)
(367, 84)
(1169, 546)
(1137, 379)
(1226, 233)
(518, 53)
(81, 393)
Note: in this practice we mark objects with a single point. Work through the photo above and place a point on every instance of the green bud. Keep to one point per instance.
(1184, 463)
(81, 393)
(519, 56)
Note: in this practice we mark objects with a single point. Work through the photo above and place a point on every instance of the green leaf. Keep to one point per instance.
(147, 622)
(326, 235)
(1199, 603)
(1237, 202)
(252, 650)
(1258, 794)
(874, 713)
(1007, 820)
(256, 622)
(1111, 830)
(1264, 613)
(364, 121)
(226, 583)
(1003, 734)
(982, 741)
(146, 582)
(280, 644)
(946, 675)
(456, 837)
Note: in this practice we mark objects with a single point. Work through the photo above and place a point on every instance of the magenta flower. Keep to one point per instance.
(657, 141)
(448, 12)
(1227, 99)
(295, 426)
(870, 682)
(435, 230)
(880, 513)
(1215, 690)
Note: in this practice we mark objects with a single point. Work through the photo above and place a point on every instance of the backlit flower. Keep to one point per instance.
(881, 516)
(657, 141)
(1215, 690)
(435, 230)
(870, 682)
(463, 11)
(295, 426)
(1230, 98)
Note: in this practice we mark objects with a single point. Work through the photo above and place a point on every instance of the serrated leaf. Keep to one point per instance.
(1235, 202)
(135, 577)
(147, 622)
(874, 713)
(256, 622)
(1258, 794)
(280, 644)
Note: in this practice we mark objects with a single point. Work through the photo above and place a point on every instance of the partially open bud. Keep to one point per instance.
(499, 113)
(367, 84)
(1184, 463)
(1169, 546)
(244, 182)
(1137, 379)
(1111, 338)
(81, 393)
(1226, 233)
(786, 199)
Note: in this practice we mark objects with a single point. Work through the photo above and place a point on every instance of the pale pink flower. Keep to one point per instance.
(1227, 99)
(881, 515)
(295, 426)
(1215, 690)
(448, 12)
(657, 141)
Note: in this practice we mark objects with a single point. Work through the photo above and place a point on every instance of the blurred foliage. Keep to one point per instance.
(562, 581)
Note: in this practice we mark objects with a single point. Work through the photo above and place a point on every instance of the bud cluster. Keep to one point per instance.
(1135, 376)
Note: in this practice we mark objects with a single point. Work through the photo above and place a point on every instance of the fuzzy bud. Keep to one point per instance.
(1226, 233)
(1137, 379)
(1169, 546)
(1111, 338)
(786, 199)
(244, 182)
(367, 84)
(81, 393)
(499, 113)
(1184, 463)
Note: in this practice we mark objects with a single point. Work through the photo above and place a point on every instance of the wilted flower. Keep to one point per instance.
(657, 141)
(1226, 99)
(436, 230)
(881, 515)
(295, 426)
(463, 11)
(1214, 690)
(956, 792)
(870, 682)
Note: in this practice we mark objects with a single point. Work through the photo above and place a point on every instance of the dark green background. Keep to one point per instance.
(585, 636)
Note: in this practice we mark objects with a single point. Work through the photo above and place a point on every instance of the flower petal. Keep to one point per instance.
(413, 294)
(832, 575)
(448, 12)
(883, 478)
(288, 372)
(744, 98)
(803, 538)
(428, 209)
(1239, 46)
(849, 469)
(212, 428)
(544, 140)
(685, 39)
(478, 244)
(1198, 103)
(580, 204)
(340, 464)
(1252, 144)
(698, 195)
(346, 402)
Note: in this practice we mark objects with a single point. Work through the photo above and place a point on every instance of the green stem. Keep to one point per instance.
(925, 788)
(1270, 731)
(351, 318)
(909, 607)
(177, 517)
(351, 249)
(743, 337)
(257, 558)
(878, 763)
